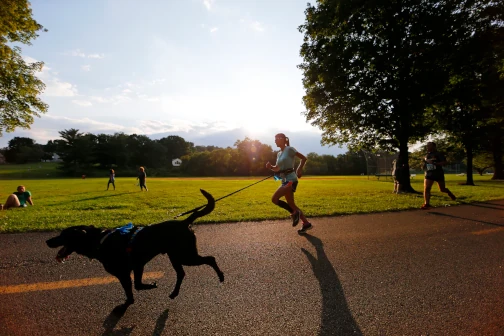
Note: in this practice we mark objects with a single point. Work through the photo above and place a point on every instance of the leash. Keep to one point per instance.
(234, 192)
(286, 171)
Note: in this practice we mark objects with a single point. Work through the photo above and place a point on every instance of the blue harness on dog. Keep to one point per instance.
(125, 230)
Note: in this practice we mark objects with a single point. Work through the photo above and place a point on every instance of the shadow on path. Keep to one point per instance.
(487, 205)
(336, 317)
(118, 312)
(112, 320)
(469, 219)
(160, 323)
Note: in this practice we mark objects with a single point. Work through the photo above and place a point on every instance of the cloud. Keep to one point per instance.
(86, 67)
(214, 29)
(84, 103)
(54, 86)
(96, 56)
(57, 88)
(79, 53)
(257, 26)
(115, 100)
(29, 59)
(208, 4)
(45, 69)
(157, 81)
(88, 125)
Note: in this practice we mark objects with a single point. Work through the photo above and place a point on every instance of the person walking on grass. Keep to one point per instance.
(433, 168)
(141, 178)
(284, 168)
(398, 167)
(18, 199)
(111, 179)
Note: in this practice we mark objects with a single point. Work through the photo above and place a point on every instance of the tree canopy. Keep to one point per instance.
(372, 69)
(19, 86)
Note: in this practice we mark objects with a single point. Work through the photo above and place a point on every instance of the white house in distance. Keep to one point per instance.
(56, 158)
(176, 162)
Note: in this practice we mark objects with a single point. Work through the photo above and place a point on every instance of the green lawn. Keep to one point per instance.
(30, 171)
(60, 203)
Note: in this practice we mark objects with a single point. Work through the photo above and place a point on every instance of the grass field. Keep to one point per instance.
(30, 171)
(60, 203)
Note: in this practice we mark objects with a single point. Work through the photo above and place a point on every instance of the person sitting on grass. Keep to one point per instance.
(18, 199)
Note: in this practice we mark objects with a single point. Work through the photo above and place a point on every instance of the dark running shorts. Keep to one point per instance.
(436, 177)
(290, 183)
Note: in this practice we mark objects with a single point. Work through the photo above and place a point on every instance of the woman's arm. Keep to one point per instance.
(299, 170)
(273, 168)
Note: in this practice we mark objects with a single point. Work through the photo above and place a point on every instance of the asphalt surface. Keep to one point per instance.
(438, 272)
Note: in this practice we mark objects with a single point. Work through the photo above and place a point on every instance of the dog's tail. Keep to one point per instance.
(206, 210)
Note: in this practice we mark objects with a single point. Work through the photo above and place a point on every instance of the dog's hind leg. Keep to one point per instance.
(138, 272)
(209, 260)
(180, 276)
(125, 281)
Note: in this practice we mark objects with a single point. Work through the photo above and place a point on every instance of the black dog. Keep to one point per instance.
(122, 252)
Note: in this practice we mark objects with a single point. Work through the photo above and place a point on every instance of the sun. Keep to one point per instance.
(254, 127)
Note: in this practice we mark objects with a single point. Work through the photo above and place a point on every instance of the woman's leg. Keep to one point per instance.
(280, 192)
(289, 197)
(113, 183)
(12, 202)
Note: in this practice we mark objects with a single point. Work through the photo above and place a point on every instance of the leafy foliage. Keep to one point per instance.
(19, 86)
(376, 72)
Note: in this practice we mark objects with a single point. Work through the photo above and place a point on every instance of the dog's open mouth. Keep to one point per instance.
(63, 254)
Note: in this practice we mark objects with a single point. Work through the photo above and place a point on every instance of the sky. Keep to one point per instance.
(210, 71)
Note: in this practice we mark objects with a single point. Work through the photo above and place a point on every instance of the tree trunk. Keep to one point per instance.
(497, 156)
(404, 176)
(469, 171)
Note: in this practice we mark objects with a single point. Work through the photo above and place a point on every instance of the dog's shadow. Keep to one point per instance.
(118, 312)
(336, 317)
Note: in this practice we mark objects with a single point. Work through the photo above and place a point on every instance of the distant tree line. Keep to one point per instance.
(91, 155)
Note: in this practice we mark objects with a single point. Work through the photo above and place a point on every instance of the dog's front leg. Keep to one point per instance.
(180, 276)
(138, 272)
(125, 281)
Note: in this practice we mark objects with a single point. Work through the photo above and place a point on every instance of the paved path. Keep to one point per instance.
(438, 272)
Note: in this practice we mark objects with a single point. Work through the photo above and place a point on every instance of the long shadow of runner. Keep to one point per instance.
(458, 217)
(336, 317)
(92, 198)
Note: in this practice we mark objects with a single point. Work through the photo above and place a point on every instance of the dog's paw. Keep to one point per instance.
(221, 277)
(129, 301)
(173, 295)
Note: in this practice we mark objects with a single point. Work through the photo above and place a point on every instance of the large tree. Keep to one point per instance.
(19, 87)
(372, 67)
(469, 105)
